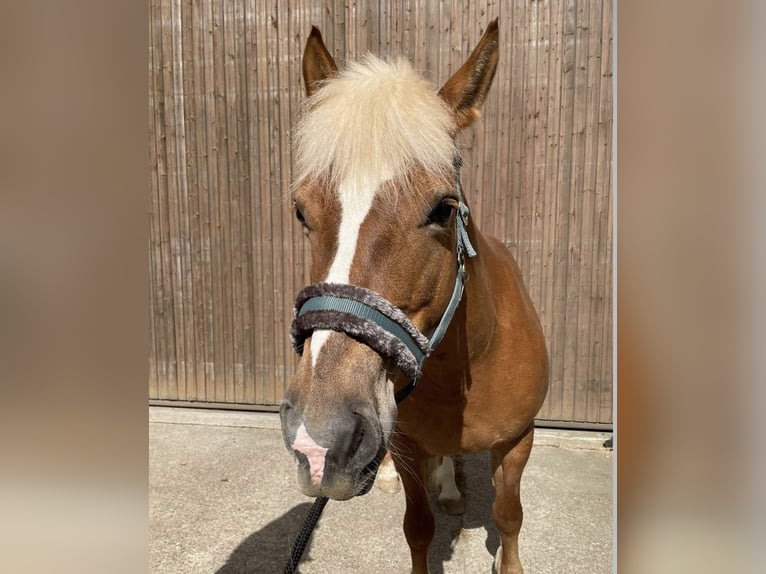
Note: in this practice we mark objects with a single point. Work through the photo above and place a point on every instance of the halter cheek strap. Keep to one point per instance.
(370, 319)
(463, 248)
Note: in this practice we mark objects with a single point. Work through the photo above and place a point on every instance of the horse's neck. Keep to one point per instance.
(478, 302)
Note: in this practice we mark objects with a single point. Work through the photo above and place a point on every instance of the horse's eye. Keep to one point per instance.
(299, 215)
(442, 213)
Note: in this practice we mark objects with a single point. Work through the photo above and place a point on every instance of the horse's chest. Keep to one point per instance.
(453, 427)
(442, 430)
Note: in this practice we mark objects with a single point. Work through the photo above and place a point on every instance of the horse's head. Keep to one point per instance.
(376, 193)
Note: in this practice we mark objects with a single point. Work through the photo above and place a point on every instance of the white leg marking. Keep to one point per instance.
(315, 453)
(356, 200)
(388, 478)
(450, 498)
(445, 478)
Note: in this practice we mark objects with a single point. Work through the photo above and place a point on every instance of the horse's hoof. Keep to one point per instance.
(498, 564)
(388, 480)
(498, 560)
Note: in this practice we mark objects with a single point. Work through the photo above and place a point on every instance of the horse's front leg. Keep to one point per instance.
(508, 462)
(411, 463)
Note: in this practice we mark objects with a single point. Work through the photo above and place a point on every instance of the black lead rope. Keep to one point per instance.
(303, 536)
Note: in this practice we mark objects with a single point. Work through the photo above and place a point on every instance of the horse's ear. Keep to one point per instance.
(465, 91)
(318, 64)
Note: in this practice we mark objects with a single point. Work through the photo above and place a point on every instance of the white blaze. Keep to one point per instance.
(356, 198)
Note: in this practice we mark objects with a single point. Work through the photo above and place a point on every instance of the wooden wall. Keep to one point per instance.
(226, 254)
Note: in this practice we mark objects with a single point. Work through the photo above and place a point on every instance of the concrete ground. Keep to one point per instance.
(224, 500)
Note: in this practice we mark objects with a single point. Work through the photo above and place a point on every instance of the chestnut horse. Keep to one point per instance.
(377, 190)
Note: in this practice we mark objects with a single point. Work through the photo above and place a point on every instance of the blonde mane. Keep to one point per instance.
(374, 122)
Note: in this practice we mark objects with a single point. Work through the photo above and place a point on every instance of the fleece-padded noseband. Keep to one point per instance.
(363, 315)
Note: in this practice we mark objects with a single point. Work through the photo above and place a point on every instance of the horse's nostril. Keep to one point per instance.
(288, 413)
(365, 441)
(359, 438)
(290, 420)
(286, 403)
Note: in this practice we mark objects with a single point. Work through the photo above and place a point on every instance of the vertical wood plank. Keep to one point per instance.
(192, 244)
(265, 388)
(385, 32)
(267, 178)
(224, 345)
(201, 229)
(559, 374)
(214, 366)
(486, 138)
(515, 103)
(179, 215)
(180, 209)
(501, 169)
(538, 147)
(246, 153)
(286, 261)
(593, 207)
(578, 214)
(234, 385)
(244, 276)
(157, 376)
(604, 189)
(466, 139)
(552, 407)
(169, 211)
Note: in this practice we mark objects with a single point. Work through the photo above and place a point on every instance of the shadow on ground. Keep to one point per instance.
(268, 550)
